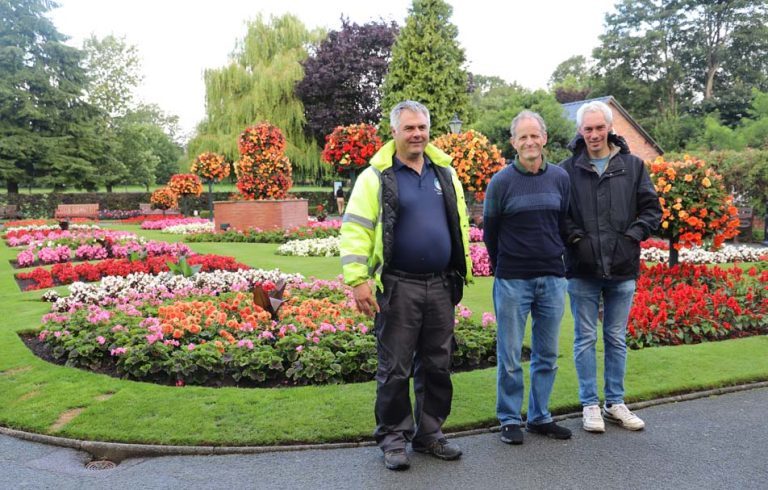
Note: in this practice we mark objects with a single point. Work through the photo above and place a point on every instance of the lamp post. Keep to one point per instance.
(455, 124)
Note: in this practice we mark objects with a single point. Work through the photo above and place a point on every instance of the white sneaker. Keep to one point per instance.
(593, 421)
(620, 414)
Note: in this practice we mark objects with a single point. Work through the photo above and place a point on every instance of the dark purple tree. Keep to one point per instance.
(342, 80)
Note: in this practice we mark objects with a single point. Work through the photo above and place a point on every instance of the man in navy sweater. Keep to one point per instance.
(524, 225)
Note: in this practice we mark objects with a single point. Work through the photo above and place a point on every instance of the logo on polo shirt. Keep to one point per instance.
(438, 189)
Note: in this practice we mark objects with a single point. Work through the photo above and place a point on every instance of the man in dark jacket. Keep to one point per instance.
(613, 208)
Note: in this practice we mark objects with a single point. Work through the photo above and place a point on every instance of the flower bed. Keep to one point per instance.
(23, 235)
(324, 229)
(67, 273)
(475, 234)
(314, 247)
(227, 339)
(118, 214)
(698, 255)
(481, 263)
(190, 228)
(162, 224)
(66, 237)
(84, 248)
(695, 303)
(152, 217)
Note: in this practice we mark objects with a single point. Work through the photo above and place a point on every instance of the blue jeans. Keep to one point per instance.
(617, 301)
(513, 299)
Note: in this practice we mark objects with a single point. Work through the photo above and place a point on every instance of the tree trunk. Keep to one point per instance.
(12, 187)
(673, 254)
(109, 188)
(709, 85)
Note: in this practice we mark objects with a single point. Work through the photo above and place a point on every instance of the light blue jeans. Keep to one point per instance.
(617, 298)
(544, 298)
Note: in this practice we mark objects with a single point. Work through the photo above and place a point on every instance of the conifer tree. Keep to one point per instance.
(427, 66)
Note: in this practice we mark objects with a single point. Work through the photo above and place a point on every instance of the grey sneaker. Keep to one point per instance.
(620, 414)
(440, 448)
(396, 459)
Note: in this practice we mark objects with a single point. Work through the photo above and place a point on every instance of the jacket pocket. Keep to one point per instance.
(626, 257)
(582, 256)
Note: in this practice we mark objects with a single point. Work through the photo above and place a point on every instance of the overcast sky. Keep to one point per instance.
(519, 41)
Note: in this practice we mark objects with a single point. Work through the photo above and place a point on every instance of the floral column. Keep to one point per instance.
(185, 185)
(695, 205)
(210, 167)
(349, 148)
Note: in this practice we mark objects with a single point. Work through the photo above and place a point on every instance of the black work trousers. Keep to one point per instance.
(414, 334)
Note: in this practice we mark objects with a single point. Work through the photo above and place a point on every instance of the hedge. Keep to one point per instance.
(44, 205)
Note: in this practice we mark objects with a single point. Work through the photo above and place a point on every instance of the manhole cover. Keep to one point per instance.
(100, 465)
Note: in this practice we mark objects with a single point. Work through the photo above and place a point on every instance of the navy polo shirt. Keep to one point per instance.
(422, 241)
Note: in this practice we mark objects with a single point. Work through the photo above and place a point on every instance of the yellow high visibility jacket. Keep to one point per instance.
(362, 245)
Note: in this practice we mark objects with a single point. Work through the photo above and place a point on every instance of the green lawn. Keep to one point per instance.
(35, 394)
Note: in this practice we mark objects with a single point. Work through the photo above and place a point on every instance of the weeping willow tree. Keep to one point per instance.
(258, 85)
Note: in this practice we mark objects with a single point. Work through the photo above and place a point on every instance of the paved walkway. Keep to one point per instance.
(716, 442)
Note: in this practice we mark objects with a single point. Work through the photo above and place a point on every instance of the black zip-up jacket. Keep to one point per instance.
(610, 214)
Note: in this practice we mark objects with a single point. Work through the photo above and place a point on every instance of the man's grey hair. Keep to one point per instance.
(407, 105)
(594, 106)
(526, 114)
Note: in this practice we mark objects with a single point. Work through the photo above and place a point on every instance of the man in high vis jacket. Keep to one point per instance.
(405, 232)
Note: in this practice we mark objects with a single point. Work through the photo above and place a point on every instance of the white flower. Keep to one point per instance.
(190, 228)
(698, 255)
(314, 247)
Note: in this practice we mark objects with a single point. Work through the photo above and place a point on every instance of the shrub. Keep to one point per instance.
(263, 171)
(475, 159)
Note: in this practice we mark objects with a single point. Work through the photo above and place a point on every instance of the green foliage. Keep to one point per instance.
(46, 130)
(114, 69)
(427, 66)
(571, 80)
(258, 85)
(182, 267)
(664, 60)
(500, 104)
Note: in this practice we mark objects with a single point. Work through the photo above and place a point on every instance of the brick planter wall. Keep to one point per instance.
(266, 215)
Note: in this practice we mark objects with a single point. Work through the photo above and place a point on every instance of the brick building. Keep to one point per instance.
(640, 142)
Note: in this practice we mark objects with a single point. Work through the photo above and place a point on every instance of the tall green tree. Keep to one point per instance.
(427, 66)
(664, 57)
(571, 80)
(114, 69)
(47, 130)
(258, 85)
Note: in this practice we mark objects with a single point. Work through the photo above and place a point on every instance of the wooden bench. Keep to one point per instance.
(9, 211)
(146, 209)
(745, 224)
(77, 211)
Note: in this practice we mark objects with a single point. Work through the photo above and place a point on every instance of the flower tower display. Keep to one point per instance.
(164, 199)
(263, 171)
(185, 185)
(211, 167)
(696, 207)
(348, 148)
(475, 159)
(263, 181)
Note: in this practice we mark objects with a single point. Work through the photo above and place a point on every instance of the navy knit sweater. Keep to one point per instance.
(524, 220)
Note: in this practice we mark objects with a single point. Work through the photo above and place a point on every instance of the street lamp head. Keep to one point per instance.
(455, 124)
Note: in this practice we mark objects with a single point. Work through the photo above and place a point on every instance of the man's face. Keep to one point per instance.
(595, 131)
(529, 140)
(412, 135)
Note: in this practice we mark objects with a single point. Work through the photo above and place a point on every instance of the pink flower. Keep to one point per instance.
(100, 340)
(191, 346)
(299, 348)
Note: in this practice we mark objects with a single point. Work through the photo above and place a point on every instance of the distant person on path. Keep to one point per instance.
(340, 200)
(406, 231)
(614, 207)
(524, 216)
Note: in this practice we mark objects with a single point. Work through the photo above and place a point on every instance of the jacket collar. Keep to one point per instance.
(617, 144)
(382, 160)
